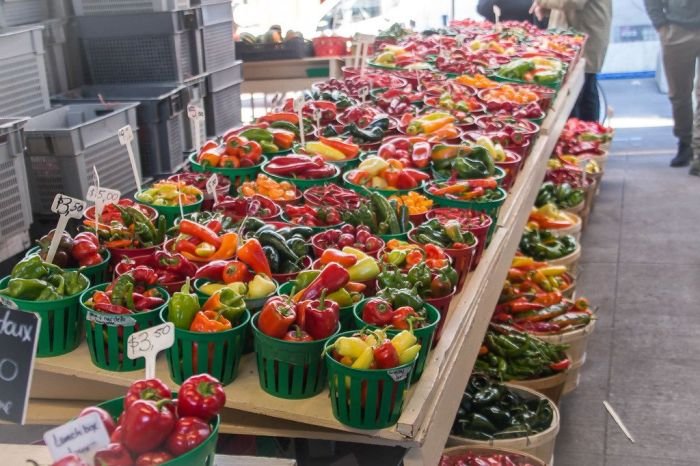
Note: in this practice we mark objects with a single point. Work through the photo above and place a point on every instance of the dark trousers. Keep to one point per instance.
(587, 106)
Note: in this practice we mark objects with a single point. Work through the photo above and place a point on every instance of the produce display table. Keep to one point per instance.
(39, 456)
(428, 413)
(275, 76)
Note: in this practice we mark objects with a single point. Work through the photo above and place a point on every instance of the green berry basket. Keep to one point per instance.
(362, 190)
(490, 208)
(98, 273)
(424, 334)
(302, 183)
(252, 304)
(171, 213)
(201, 455)
(290, 369)
(236, 175)
(397, 236)
(347, 320)
(499, 175)
(107, 334)
(366, 399)
(61, 327)
(315, 230)
(221, 358)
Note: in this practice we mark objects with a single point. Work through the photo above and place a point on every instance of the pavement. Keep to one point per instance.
(641, 265)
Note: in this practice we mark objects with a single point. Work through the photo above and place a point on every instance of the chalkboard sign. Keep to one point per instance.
(18, 338)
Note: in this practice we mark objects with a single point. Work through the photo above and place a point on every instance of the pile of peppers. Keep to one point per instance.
(32, 279)
(379, 312)
(371, 349)
(529, 276)
(449, 235)
(428, 272)
(490, 410)
(382, 216)
(169, 267)
(204, 243)
(543, 245)
(285, 248)
(544, 313)
(132, 292)
(156, 427)
(131, 228)
(304, 320)
(507, 354)
(562, 195)
(482, 459)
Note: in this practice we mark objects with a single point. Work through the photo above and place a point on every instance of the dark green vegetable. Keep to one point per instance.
(543, 245)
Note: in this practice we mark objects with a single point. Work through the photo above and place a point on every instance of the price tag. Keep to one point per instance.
(212, 184)
(179, 198)
(83, 436)
(298, 107)
(317, 117)
(196, 116)
(66, 207)
(126, 136)
(148, 343)
(19, 332)
(460, 39)
(497, 14)
(102, 197)
(112, 320)
(363, 92)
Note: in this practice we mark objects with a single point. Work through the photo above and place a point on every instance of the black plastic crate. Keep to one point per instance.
(293, 48)
(151, 47)
(222, 104)
(161, 116)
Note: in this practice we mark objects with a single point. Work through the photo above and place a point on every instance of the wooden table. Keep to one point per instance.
(431, 403)
(38, 455)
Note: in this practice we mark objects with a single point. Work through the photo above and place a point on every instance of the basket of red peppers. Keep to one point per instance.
(318, 218)
(302, 170)
(152, 425)
(290, 334)
(113, 311)
(81, 251)
(171, 268)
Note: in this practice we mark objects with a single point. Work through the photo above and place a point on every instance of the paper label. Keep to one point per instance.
(399, 374)
(212, 184)
(83, 436)
(111, 320)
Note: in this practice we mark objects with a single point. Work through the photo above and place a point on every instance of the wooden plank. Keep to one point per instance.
(432, 402)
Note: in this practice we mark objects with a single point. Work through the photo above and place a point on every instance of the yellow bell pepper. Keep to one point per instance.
(373, 165)
(327, 152)
(364, 269)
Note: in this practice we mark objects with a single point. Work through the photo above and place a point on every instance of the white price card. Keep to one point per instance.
(66, 207)
(317, 116)
(196, 116)
(83, 436)
(148, 343)
(126, 137)
(364, 92)
(102, 196)
(460, 39)
(298, 106)
(212, 184)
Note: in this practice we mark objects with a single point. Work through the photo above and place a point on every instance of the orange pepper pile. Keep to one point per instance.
(508, 93)
(416, 203)
(478, 81)
(266, 186)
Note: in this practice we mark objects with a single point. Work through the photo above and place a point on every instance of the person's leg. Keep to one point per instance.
(587, 106)
(679, 59)
(695, 166)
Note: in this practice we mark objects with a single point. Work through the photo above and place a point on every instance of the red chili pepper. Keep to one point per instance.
(142, 303)
(146, 389)
(321, 317)
(560, 365)
(201, 232)
(297, 334)
(212, 271)
(276, 167)
(332, 278)
(153, 458)
(187, 433)
(334, 255)
(114, 454)
(378, 312)
(106, 418)
(277, 315)
(201, 396)
(112, 308)
(253, 255)
(405, 318)
(386, 356)
(144, 275)
(524, 306)
(146, 425)
(185, 245)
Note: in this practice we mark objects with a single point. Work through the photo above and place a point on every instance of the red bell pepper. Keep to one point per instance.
(251, 150)
(212, 271)
(417, 175)
(175, 263)
(277, 315)
(146, 389)
(332, 278)
(321, 317)
(153, 458)
(378, 312)
(235, 271)
(82, 248)
(405, 318)
(70, 460)
(234, 144)
(187, 433)
(146, 425)
(201, 396)
(114, 454)
(386, 356)
(297, 334)
(104, 416)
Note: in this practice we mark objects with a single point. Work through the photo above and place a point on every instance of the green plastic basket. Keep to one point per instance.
(304, 184)
(289, 369)
(221, 358)
(107, 334)
(61, 327)
(253, 305)
(366, 399)
(237, 175)
(499, 175)
(347, 320)
(98, 273)
(171, 213)
(424, 334)
(201, 455)
(362, 190)
(490, 208)
(397, 236)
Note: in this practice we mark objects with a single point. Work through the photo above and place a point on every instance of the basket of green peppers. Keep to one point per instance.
(52, 293)
(564, 196)
(543, 245)
(385, 218)
(491, 411)
(464, 163)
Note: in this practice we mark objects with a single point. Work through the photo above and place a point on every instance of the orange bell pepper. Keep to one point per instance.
(209, 159)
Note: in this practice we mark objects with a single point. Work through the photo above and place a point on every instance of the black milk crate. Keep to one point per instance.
(142, 48)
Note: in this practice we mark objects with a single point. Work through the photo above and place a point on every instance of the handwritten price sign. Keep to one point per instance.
(148, 343)
(68, 206)
(126, 136)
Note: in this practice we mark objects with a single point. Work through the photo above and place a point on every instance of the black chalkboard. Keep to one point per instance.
(18, 337)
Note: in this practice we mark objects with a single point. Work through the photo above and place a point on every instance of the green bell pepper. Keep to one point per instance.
(25, 288)
(183, 306)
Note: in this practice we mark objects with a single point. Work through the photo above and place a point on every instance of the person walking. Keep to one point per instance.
(678, 25)
(593, 17)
